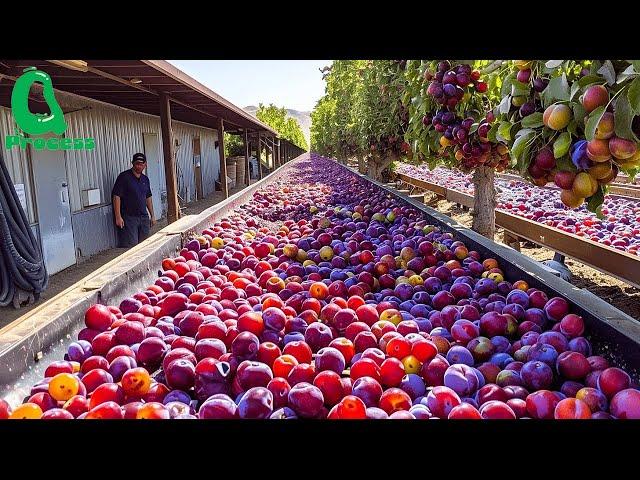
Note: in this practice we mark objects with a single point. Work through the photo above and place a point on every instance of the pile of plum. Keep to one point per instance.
(353, 307)
(619, 229)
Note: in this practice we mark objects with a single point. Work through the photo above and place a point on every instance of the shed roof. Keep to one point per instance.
(109, 81)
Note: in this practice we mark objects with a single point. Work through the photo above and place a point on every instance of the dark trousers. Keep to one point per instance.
(135, 230)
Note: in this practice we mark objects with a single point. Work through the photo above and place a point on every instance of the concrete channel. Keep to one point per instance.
(31, 342)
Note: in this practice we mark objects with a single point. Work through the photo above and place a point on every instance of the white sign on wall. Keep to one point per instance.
(21, 195)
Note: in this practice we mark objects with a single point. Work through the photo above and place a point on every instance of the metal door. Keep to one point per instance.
(154, 169)
(54, 212)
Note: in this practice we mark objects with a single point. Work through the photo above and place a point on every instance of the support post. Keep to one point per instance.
(247, 177)
(173, 208)
(258, 148)
(511, 240)
(558, 257)
(266, 152)
(223, 161)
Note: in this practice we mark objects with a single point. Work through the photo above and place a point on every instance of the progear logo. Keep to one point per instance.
(40, 123)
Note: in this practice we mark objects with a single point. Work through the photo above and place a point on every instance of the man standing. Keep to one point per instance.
(131, 200)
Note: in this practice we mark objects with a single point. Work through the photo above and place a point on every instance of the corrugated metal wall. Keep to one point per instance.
(85, 168)
(123, 137)
(93, 231)
(210, 163)
(118, 134)
(184, 162)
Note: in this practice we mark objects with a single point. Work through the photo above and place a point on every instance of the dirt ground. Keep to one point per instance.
(64, 279)
(612, 290)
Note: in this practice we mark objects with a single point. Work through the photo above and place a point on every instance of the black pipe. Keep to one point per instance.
(22, 269)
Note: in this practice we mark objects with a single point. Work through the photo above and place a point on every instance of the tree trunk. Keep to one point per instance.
(484, 202)
(377, 164)
(361, 167)
(372, 163)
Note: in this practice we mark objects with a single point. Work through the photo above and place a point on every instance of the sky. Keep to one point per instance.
(295, 84)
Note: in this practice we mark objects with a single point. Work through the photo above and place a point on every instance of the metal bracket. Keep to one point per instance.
(558, 257)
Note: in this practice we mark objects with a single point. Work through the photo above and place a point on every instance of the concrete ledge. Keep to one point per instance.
(31, 336)
(179, 226)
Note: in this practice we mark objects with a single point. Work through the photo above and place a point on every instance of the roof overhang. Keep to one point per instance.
(110, 81)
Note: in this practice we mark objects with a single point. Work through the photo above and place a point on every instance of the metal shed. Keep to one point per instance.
(126, 106)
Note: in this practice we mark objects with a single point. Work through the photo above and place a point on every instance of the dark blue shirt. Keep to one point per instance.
(133, 193)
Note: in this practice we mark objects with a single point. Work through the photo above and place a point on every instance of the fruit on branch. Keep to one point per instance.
(557, 116)
(595, 96)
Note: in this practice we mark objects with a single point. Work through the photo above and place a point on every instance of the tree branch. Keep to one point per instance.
(492, 66)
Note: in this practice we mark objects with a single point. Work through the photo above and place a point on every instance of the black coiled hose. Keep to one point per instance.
(23, 275)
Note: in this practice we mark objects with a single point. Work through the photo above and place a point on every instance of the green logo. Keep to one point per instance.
(36, 123)
(40, 123)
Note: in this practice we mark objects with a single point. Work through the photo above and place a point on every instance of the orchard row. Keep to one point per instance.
(574, 123)
(620, 227)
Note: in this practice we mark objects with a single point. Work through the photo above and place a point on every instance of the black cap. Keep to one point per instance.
(138, 157)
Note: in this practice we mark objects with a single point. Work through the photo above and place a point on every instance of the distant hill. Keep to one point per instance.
(303, 118)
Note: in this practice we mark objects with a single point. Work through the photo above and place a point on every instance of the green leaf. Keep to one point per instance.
(424, 148)
(505, 104)
(473, 128)
(595, 201)
(572, 128)
(506, 84)
(504, 130)
(564, 163)
(553, 63)
(519, 89)
(491, 135)
(520, 144)
(493, 81)
(599, 213)
(533, 121)
(633, 94)
(575, 88)
(524, 131)
(557, 90)
(622, 117)
(624, 75)
(592, 123)
(589, 79)
(636, 65)
(578, 114)
(561, 145)
(608, 72)
(525, 160)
